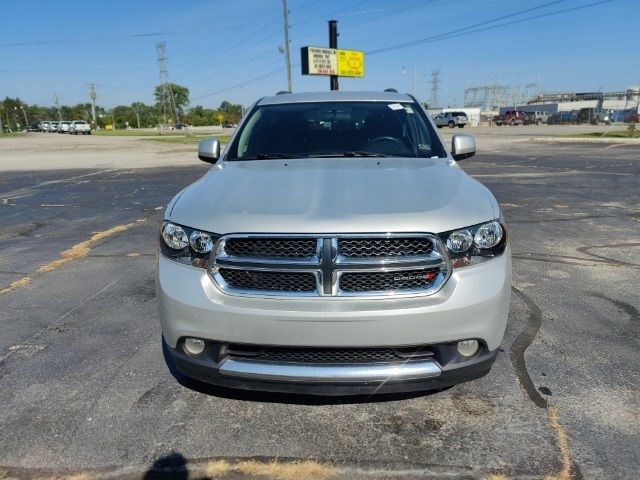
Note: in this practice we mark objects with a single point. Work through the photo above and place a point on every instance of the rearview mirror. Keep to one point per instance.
(209, 150)
(463, 146)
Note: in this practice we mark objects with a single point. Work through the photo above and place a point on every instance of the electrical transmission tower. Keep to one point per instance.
(56, 101)
(435, 87)
(93, 95)
(168, 101)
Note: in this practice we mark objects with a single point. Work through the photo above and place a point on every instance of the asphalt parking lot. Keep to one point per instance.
(85, 390)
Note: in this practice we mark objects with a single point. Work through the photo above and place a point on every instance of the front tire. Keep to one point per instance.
(460, 126)
(452, 125)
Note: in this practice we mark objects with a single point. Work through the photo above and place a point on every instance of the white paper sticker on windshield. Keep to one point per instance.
(395, 106)
(408, 109)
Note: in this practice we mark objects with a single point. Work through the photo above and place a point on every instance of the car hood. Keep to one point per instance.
(333, 195)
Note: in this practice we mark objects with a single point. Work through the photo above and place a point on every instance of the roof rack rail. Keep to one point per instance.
(392, 90)
(283, 92)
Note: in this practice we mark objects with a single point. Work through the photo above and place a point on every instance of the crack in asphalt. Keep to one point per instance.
(587, 251)
(634, 314)
(521, 343)
(570, 470)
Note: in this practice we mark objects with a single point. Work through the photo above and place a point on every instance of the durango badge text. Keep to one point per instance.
(334, 248)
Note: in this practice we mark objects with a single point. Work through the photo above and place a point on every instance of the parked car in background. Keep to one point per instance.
(451, 119)
(594, 116)
(511, 117)
(178, 126)
(79, 126)
(33, 127)
(563, 118)
(536, 118)
(53, 127)
(631, 118)
(64, 126)
(44, 126)
(620, 115)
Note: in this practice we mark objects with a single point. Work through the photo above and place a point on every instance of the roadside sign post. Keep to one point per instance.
(333, 44)
(332, 61)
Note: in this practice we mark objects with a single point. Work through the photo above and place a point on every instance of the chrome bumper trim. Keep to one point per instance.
(339, 373)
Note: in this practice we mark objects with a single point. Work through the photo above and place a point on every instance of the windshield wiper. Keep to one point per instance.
(268, 156)
(351, 153)
(364, 154)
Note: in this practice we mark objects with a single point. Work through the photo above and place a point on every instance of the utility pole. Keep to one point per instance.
(93, 95)
(56, 101)
(287, 59)
(138, 118)
(333, 43)
(413, 84)
(168, 101)
(24, 112)
(435, 87)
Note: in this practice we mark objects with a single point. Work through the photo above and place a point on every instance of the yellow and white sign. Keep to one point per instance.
(322, 61)
(350, 63)
(331, 61)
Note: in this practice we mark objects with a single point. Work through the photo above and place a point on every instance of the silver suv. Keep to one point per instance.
(335, 247)
(451, 119)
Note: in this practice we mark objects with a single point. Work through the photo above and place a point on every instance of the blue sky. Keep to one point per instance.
(228, 50)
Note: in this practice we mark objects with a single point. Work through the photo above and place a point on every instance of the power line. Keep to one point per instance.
(242, 84)
(467, 30)
(116, 37)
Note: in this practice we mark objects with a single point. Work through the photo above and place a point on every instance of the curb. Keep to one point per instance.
(606, 140)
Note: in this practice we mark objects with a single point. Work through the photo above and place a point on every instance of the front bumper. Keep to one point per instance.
(330, 379)
(473, 304)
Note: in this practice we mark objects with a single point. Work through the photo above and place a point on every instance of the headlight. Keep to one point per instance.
(459, 241)
(186, 245)
(475, 244)
(174, 236)
(488, 235)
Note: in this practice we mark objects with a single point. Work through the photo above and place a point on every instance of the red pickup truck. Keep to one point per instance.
(510, 117)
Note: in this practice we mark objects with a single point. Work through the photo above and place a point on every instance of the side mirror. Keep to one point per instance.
(463, 146)
(209, 150)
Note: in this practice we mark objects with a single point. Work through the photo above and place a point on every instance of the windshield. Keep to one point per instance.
(299, 130)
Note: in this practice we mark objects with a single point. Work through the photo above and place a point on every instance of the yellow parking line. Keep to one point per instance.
(78, 250)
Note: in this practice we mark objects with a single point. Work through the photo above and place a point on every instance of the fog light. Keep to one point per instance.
(194, 346)
(467, 348)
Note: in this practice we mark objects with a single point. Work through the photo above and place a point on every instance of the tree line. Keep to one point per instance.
(14, 112)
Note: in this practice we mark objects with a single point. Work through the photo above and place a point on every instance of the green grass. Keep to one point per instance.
(12, 134)
(139, 133)
(191, 139)
(611, 134)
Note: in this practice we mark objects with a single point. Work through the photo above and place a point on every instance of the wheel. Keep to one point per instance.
(439, 126)
(452, 124)
(461, 126)
(539, 121)
(88, 133)
(512, 123)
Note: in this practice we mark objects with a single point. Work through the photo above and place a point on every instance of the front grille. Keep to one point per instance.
(330, 265)
(271, 247)
(269, 281)
(328, 355)
(382, 281)
(384, 247)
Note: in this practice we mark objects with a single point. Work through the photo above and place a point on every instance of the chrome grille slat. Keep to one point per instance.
(329, 265)
(272, 247)
(384, 247)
